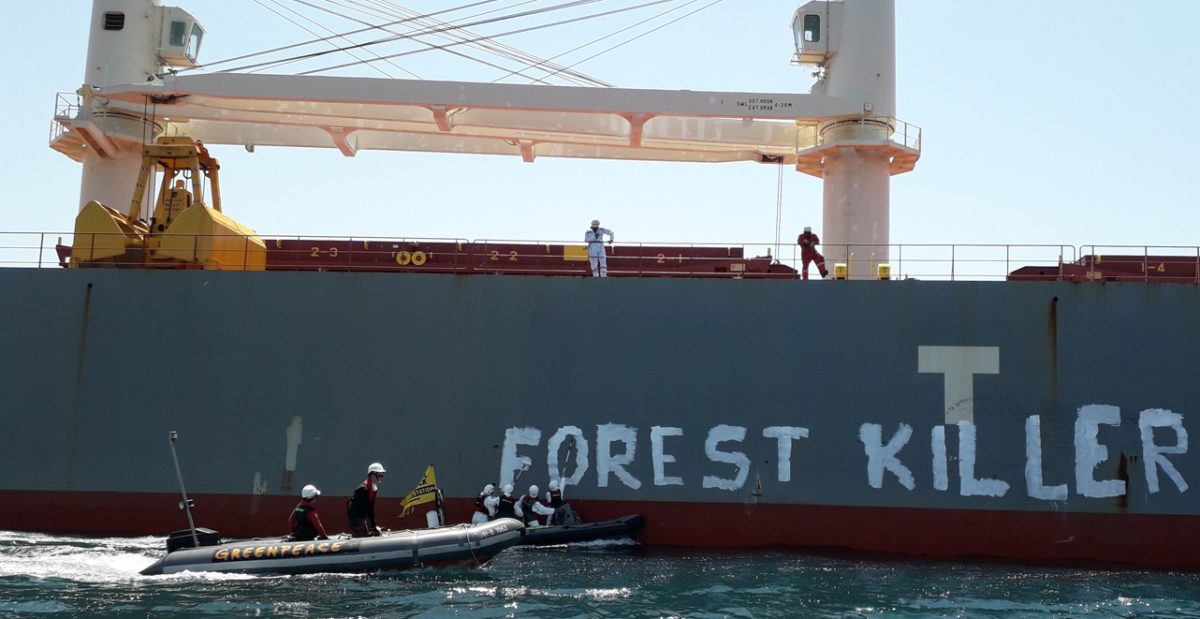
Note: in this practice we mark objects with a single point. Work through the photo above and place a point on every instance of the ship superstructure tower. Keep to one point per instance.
(138, 87)
(853, 46)
(130, 42)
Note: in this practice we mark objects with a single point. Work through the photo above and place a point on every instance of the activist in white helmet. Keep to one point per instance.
(529, 508)
(505, 503)
(485, 505)
(304, 521)
(361, 508)
(554, 498)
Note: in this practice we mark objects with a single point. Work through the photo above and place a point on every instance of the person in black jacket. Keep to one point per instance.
(304, 521)
(528, 508)
(506, 506)
(360, 509)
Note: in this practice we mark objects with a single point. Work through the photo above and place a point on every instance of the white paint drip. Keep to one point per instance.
(785, 436)
(660, 458)
(1033, 464)
(260, 486)
(1154, 456)
(1089, 453)
(716, 436)
(882, 457)
(295, 433)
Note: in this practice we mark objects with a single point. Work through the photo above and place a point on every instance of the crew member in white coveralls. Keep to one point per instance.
(594, 238)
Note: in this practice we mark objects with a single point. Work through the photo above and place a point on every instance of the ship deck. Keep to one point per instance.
(755, 260)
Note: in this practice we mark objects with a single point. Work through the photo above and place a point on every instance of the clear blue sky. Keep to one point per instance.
(1055, 122)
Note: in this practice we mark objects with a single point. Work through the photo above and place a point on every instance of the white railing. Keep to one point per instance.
(944, 262)
(66, 107)
(896, 131)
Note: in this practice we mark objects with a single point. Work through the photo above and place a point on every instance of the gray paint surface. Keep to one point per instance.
(97, 365)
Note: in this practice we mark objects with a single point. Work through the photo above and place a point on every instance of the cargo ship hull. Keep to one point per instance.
(1024, 420)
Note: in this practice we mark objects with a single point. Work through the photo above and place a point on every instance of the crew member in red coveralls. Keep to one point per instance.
(304, 521)
(360, 509)
(808, 252)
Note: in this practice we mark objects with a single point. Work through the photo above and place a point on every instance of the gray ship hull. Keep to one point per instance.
(1031, 420)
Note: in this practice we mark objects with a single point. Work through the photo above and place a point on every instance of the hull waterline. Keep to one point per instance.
(749, 407)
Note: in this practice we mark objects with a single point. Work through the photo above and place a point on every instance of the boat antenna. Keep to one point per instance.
(186, 504)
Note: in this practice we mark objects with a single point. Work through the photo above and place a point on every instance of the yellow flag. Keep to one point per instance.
(425, 492)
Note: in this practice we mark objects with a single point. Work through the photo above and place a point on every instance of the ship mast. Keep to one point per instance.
(844, 131)
(853, 46)
(130, 42)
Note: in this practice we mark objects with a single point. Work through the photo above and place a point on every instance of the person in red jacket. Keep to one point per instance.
(304, 521)
(808, 252)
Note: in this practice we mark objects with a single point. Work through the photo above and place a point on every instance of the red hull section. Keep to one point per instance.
(1157, 541)
(1158, 269)
(489, 257)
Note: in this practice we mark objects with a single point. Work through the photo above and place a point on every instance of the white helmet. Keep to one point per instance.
(375, 468)
(507, 488)
(554, 484)
(595, 223)
(808, 228)
(533, 490)
(488, 489)
(310, 492)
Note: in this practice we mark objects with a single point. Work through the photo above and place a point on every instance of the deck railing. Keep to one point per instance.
(66, 106)
(945, 262)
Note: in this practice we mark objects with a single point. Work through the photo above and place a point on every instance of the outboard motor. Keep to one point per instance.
(183, 539)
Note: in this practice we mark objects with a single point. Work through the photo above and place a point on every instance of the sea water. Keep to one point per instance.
(57, 576)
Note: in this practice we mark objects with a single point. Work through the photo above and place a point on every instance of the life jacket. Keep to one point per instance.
(556, 500)
(505, 508)
(479, 506)
(527, 513)
(304, 529)
(359, 505)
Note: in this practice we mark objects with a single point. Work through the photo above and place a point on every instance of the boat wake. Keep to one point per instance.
(595, 544)
(42, 557)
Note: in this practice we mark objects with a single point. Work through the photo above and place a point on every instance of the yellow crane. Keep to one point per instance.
(183, 231)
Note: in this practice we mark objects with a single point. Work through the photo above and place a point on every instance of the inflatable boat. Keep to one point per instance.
(395, 550)
(582, 532)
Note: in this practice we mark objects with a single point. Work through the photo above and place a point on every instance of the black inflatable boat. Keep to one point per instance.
(583, 532)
